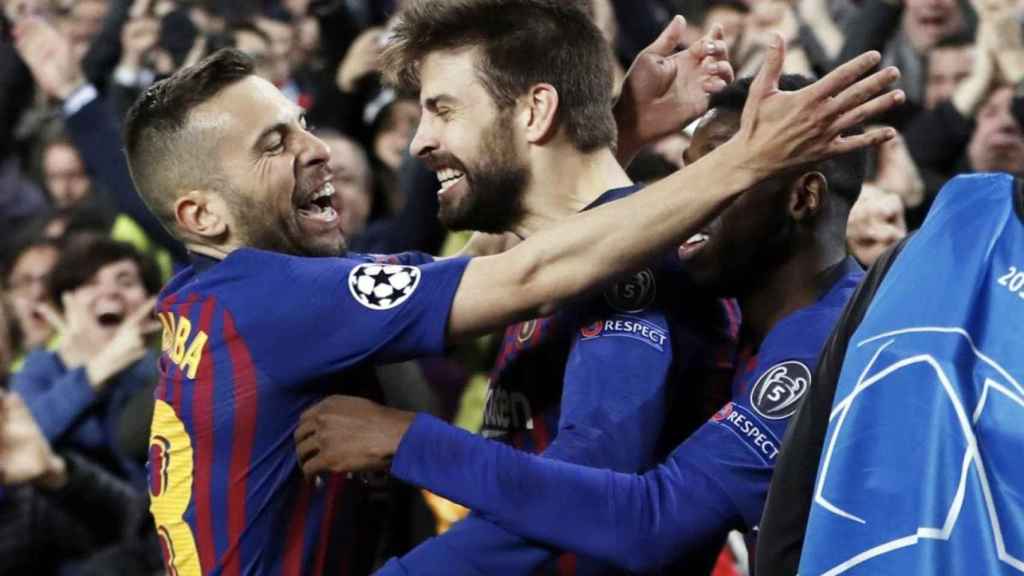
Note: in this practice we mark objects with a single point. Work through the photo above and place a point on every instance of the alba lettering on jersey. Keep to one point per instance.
(180, 345)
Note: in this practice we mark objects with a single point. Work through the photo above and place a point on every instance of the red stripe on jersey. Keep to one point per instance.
(202, 436)
(335, 488)
(732, 308)
(246, 400)
(295, 535)
(186, 308)
(540, 434)
(567, 564)
(161, 388)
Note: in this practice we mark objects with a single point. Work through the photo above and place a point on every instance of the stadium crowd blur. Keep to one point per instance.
(81, 258)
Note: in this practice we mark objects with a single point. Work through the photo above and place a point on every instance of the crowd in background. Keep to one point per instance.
(82, 258)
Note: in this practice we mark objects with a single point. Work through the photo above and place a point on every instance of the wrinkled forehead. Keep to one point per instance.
(450, 72)
(241, 112)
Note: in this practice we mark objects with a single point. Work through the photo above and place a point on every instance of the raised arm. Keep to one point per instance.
(779, 130)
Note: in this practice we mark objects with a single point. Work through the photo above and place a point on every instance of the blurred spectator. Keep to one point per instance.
(63, 172)
(949, 64)
(257, 44)
(997, 144)
(8, 340)
(352, 180)
(78, 392)
(732, 16)
(392, 122)
(904, 31)
(20, 198)
(875, 225)
(60, 513)
(81, 21)
(26, 278)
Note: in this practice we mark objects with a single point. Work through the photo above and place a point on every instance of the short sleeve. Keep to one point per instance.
(318, 316)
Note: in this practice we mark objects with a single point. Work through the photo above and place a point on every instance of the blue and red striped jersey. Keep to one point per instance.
(249, 343)
(611, 380)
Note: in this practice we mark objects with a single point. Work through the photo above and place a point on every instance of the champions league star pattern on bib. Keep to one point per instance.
(920, 470)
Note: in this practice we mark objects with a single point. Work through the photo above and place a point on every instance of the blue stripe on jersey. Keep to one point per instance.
(223, 440)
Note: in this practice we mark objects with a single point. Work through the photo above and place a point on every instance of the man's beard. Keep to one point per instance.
(494, 199)
(262, 231)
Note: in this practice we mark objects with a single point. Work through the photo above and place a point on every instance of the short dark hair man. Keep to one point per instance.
(269, 318)
(780, 249)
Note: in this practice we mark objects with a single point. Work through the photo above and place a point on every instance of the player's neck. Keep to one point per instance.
(797, 283)
(215, 252)
(564, 183)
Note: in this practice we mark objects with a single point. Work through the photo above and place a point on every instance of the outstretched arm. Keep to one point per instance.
(778, 130)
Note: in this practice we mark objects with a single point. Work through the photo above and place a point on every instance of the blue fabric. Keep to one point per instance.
(920, 471)
(589, 385)
(71, 414)
(276, 334)
(715, 481)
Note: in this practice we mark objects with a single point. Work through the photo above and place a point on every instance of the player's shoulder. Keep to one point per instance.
(803, 334)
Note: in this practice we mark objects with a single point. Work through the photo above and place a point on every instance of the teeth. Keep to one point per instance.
(448, 176)
(324, 191)
(697, 238)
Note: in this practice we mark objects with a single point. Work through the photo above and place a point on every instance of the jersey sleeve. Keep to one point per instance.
(322, 315)
(639, 522)
(402, 258)
(613, 408)
(740, 443)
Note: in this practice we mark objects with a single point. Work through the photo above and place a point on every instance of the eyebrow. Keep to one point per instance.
(277, 127)
(432, 102)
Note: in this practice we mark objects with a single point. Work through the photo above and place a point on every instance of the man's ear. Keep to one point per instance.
(540, 112)
(807, 196)
(202, 214)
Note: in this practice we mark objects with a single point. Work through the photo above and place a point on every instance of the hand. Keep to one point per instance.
(876, 224)
(1003, 36)
(298, 8)
(780, 130)
(666, 89)
(81, 335)
(972, 92)
(139, 35)
(349, 434)
(126, 347)
(898, 174)
(25, 454)
(49, 56)
(362, 59)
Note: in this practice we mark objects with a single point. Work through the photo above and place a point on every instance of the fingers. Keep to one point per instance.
(670, 38)
(845, 75)
(870, 109)
(862, 91)
(139, 9)
(767, 80)
(307, 425)
(308, 449)
(315, 465)
(52, 317)
(76, 314)
(143, 312)
(842, 145)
